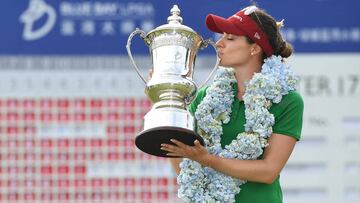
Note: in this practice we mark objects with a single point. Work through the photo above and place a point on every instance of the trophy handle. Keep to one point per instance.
(204, 45)
(142, 35)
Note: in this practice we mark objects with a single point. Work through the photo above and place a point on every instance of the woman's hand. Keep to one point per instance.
(197, 153)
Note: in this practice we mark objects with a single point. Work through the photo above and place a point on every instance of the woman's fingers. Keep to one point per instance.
(178, 143)
(197, 144)
(168, 147)
(150, 73)
(180, 149)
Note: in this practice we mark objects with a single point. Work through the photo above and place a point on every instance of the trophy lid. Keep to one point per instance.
(174, 22)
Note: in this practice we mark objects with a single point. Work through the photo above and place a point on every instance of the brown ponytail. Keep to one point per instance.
(285, 49)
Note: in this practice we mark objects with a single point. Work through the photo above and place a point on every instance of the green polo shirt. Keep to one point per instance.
(288, 121)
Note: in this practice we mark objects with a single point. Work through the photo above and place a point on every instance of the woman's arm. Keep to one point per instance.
(175, 164)
(265, 170)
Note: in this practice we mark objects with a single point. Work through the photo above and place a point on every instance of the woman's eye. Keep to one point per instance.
(230, 39)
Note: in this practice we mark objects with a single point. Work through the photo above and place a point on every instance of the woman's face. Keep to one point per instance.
(234, 50)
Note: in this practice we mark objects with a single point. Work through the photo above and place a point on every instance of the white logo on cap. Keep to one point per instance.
(257, 36)
(238, 17)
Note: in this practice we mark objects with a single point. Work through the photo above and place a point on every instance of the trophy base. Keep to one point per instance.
(149, 141)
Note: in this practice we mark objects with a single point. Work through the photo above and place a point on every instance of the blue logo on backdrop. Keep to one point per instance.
(102, 26)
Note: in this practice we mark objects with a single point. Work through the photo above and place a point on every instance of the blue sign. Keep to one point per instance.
(86, 27)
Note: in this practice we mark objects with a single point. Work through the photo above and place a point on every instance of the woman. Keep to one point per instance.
(250, 117)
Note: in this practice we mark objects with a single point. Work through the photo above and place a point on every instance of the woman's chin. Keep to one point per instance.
(223, 64)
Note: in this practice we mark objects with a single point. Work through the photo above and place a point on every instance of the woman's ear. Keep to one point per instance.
(255, 49)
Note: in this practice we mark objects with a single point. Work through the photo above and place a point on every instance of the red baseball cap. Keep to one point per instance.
(240, 24)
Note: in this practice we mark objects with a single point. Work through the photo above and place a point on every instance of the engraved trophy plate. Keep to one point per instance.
(173, 48)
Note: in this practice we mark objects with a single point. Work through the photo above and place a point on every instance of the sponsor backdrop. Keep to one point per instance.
(102, 26)
(71, 104)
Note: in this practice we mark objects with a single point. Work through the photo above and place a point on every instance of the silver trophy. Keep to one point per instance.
(173, 49)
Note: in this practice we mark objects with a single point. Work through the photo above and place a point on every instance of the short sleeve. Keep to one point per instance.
(289, 115)
(199, 97)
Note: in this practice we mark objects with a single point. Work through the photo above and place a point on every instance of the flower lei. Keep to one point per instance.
(204, 184)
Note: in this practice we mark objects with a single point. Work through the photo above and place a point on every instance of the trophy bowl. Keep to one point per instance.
(173, 48)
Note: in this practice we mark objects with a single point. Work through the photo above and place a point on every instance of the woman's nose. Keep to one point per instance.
(219, 43)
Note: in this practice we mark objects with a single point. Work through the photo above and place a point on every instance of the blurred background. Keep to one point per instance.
(71, 103)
